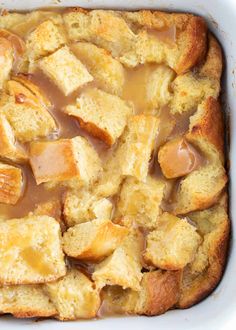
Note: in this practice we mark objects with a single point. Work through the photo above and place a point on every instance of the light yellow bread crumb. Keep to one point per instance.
(44, 40)
(81, 206)
(73, 161)
(7, 60)
(30, 251)
(141, 201)
(123, 267)
(93, 240)
(74, 296)
(9, 148)
(24, 301)
(173, 244)
(11, 184)
(107, 71)
(101, 114)
(65, 70)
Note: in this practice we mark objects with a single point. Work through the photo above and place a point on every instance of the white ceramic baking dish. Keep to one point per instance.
(218, 311)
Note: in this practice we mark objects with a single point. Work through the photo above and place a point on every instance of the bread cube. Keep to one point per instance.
(107, 71)
(64, 160)
(93, 240)
(141, 201)
(24, 301)
(30, 251)
(101, 114)
(65, 70)
(82, 206)
(173, 244)
(123, 267)
(7, 57)
(11, 184)
(9, 148)
(74, 296)
(44, 40)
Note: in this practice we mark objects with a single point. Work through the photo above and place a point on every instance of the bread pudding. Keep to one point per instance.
(113, 188)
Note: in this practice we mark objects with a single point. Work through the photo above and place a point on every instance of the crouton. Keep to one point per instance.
(160, 291)
(141, 201)
(93, 240)
(73, 161)
(30, 251)
(44, 40)
(101, 114)
(65, 70)
(82, 206)
(123, 267)
(107, 71)
(7, 57)
(26, 112)
(9, 148)
(173, 244)
(11, 184)
(74, 296)
(24, 301)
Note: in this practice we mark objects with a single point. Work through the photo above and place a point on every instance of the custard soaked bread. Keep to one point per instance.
(112, 174)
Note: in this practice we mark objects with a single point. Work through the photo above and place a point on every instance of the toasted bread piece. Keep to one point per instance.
(93, 240)
(7, 57)
(74, 296)
(203, 274)
(201, 188)
(160, 291)
(107, 71)
(24, 301)
(73, 161)
(17, 43)
(82, 206)
(65, 70)
(101, 114)
(141, 201)
(173, 244)
(26, 112)
(44, 40)
(9, 148)
(11, 184)
(123, 267)
(30, 251)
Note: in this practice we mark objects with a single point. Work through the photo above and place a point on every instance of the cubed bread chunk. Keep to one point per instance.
(44, 40)
(30, 251)
(7, 57)
(107, 71)
(9, 148)
(141, 201)
(173, 244)
(11, 184)
(65, 70)
(82, 206)
(123, 267)
(101, 114)
(93, 240)
(160, 291)
(24, 301)
(73, 161)
(74, 296)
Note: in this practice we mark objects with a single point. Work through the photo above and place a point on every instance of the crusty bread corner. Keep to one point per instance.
(202, 276)
(11, 184)
(75, 296)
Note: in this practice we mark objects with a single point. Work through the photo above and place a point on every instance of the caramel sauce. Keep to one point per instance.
(165, 35)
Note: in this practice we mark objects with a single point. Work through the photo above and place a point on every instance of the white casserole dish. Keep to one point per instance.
(218, 310)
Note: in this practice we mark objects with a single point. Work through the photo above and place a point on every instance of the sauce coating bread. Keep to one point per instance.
(113, 192)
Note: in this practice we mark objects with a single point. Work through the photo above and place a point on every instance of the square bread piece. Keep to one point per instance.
(45, 39)
(74, 296)
(11, 184)
(66, 160)
(173, 244)
(30, 251)
(93, 240)
(65, 70)
(101, 114)
(24, 301)
(141, 201)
